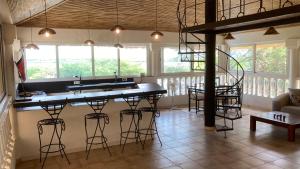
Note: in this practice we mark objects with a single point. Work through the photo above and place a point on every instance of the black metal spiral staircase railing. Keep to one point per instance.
(192, 49)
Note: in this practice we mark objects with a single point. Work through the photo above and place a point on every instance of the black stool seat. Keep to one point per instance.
(130, 112)
(96, 116)
(51, 121)
(147, 109)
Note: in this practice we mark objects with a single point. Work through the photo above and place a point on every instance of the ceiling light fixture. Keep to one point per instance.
(46, 31)
(89, 41)
(117, 28)
(31, 45)
(271, 31)
(156, 34)
(228, 36)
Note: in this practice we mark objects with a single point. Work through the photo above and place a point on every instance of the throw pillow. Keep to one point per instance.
(295, 96)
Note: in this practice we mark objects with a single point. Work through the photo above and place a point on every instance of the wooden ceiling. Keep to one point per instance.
(133, 14)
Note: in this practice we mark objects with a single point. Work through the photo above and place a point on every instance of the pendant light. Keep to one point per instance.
(156, 34)
(46, 31)
(31, 45)
(89, 41)
(117, 28)
(228, 36)
(271, 31)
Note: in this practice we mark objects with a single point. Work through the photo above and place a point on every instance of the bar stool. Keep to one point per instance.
(102, 120)
(152, 128)
(136, 116)
(54, 110)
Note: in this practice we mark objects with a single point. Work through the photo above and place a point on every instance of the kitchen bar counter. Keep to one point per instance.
(142, 89)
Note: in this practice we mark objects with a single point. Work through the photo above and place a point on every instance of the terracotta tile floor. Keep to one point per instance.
(188, 145)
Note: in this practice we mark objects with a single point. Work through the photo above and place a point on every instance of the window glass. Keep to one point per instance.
(106, 60)
(172, 61)
(271, 58)
(244, 55)
(133, 61)
(75, 61)
(41, 64)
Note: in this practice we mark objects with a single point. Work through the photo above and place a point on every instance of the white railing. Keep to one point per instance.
(7, 141)
(179, 82)
(268, 86)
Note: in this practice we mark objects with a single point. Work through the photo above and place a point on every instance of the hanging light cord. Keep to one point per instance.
(117, 12)
(88, 14)
(156, 15)
(46, 13)
(30, 27)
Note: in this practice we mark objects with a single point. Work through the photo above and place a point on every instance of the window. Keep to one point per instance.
(65, 61)
(41, 64)
(171, 61)
(133, 61)
(244, 55)
(271, 58)
(106, 60)
(75, 61)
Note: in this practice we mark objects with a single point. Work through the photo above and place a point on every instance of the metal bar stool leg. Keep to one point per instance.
(47, 152)
(105, 145)
(127, 134)
(91, 143)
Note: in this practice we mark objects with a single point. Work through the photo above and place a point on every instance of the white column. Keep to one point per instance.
(293, 62)
(155, 59)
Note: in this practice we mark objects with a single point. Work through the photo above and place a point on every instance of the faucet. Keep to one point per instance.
(76, 82)
(116, 77)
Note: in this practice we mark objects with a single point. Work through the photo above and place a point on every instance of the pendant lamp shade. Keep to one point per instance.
(46, 31)
(271, 31)
(89, 42)
(229, 36)
(156, 34)
(32, 46)
(117, 29)
(118, 45)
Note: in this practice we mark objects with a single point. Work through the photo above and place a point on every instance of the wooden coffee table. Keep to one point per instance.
(291, 121)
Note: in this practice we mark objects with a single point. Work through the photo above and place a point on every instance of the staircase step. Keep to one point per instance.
(220, 128)
(190, 53)
(196, 43)
(228, 116)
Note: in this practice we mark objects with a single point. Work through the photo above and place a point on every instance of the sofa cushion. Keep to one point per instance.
(295, 96)
(291, 109)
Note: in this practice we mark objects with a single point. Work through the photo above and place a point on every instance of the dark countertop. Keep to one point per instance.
(143, 89)
(101, 86)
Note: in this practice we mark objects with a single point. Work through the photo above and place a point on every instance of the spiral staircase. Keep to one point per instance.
(229, 93)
